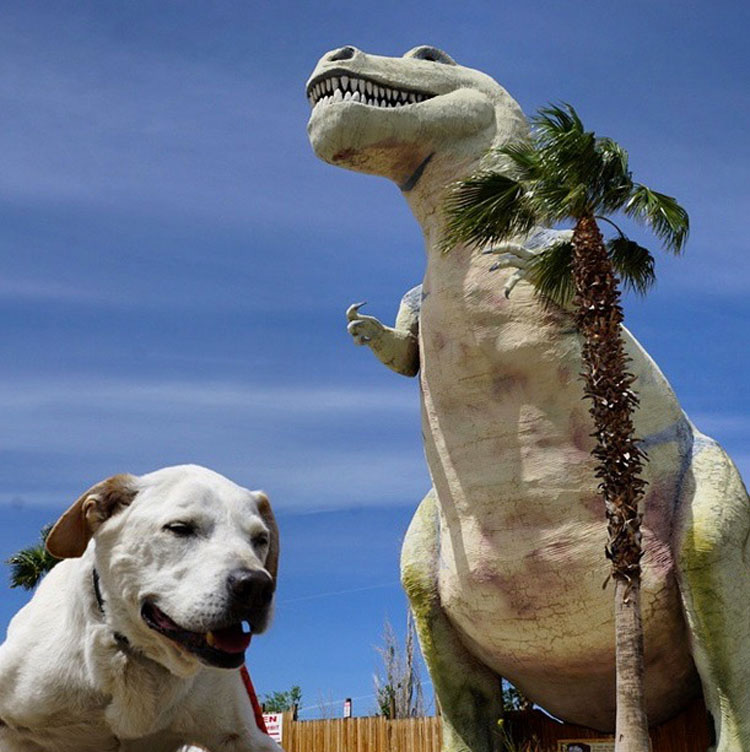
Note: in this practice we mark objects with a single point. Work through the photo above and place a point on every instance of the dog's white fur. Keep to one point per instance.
(67, 684)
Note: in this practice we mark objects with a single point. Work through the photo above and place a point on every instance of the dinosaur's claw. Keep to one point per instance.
(353, 310)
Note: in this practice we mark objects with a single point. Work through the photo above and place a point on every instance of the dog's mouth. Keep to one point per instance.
(224, 648)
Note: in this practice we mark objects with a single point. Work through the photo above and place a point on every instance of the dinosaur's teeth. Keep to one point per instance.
(348, 88)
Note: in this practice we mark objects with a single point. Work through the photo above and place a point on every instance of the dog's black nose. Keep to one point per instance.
(250, 587)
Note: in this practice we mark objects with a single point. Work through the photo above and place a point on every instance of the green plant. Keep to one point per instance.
(278, 702)
(29, 565)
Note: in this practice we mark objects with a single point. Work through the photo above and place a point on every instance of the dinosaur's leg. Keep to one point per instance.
(714, 575)
(468, 692)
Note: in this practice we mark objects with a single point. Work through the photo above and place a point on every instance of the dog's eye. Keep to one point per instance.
(260, 540)
(183, 529)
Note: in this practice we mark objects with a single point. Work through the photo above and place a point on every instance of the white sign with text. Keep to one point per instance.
(274, 725)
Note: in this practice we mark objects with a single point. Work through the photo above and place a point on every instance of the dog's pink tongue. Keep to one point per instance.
(232, 639)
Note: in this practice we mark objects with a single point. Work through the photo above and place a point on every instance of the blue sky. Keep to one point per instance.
(175, 264)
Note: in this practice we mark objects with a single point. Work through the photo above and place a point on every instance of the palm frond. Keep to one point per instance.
(557, 118)
(486, 208)
(573, 162)
(571, 156)
(633, 263)
(29, 565)
(612, 153)
(662, 214)
(551, 273)
(613, 184)
(525, 160)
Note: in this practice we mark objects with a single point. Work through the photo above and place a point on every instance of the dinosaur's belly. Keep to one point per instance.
(508, 442)
(530, 605)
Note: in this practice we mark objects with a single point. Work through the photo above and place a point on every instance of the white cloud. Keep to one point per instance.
(310, 448)
(167, 395)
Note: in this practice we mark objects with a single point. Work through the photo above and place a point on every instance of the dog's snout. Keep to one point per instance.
(250, 586)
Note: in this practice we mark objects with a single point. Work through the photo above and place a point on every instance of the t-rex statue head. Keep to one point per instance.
(394, 116)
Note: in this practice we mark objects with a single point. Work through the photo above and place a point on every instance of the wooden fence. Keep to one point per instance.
(688, 732)
(362, 735)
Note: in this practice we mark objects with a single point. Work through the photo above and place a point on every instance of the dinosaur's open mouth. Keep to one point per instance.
(343, 86)
(223, 647)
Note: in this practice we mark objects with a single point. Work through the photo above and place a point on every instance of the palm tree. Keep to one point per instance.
(564, 173)
(29, 565)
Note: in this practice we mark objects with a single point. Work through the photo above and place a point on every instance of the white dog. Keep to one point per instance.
(133, 643)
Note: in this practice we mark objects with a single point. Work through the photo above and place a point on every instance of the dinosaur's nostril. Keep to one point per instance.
(344, 53)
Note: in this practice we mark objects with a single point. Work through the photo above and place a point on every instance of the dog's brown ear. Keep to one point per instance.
(72, 532)
(272, 560)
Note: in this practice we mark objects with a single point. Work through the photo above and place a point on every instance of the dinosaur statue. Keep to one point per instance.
(504, 560)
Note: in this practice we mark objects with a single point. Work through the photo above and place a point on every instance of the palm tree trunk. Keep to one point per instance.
(631, 725)
(608, 386)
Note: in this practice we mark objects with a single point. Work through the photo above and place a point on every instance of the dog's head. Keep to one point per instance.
(185, 558)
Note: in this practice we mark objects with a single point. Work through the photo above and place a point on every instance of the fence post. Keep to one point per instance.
(287, 731)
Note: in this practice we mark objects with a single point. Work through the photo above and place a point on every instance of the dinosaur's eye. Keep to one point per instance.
(433, 54)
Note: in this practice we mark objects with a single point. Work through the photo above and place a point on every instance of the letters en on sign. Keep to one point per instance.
(274, 725)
